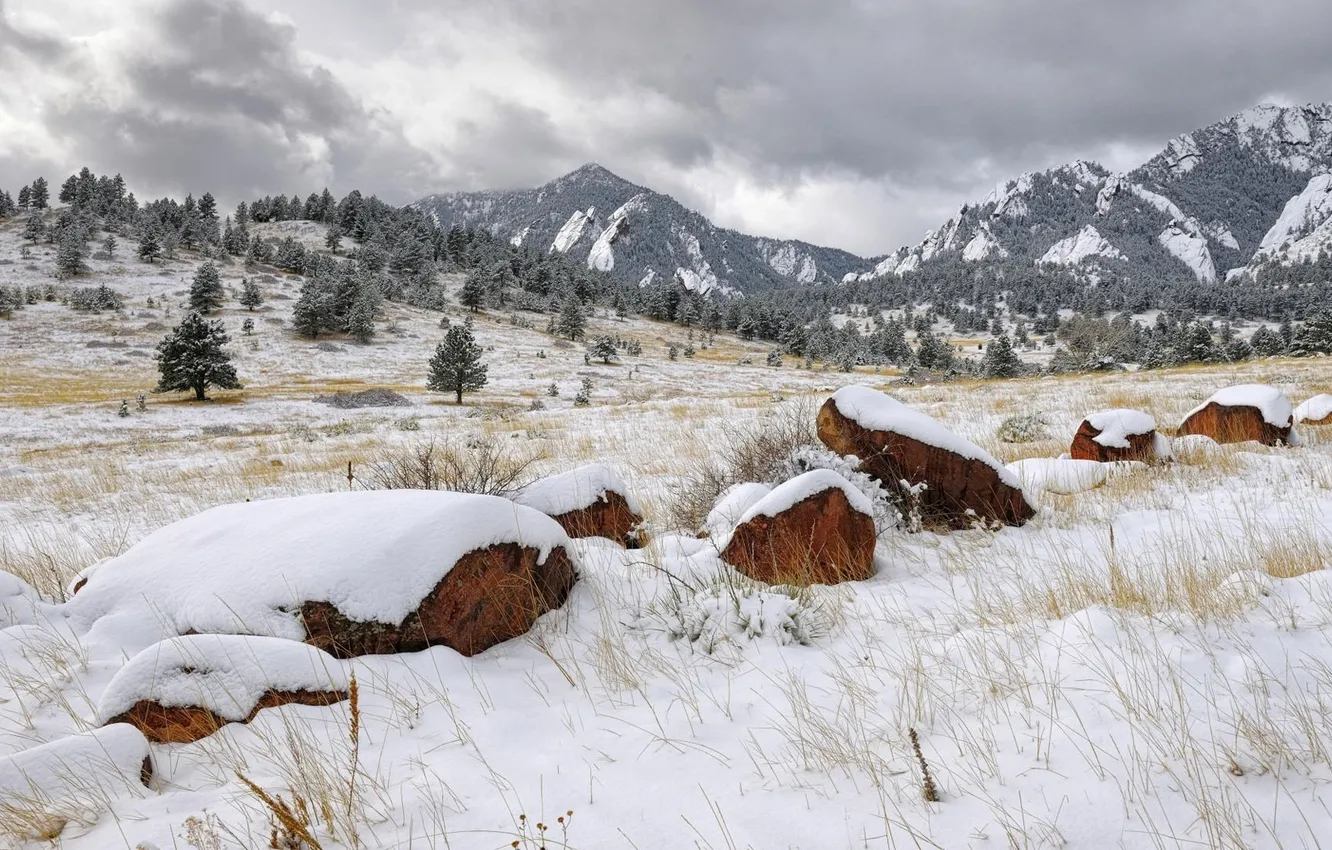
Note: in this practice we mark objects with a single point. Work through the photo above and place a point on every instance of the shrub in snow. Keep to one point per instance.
(1241, 413)
(816, 528)
(72, 779)
(351, 573)
(886, 502)
(590, 501)
(730, 610)
(186, 688)
(1024, 428)
(962, 483)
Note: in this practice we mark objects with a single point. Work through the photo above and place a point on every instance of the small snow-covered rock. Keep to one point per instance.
(1066, 477)
(1315, 411)
(1241, 413)
(962, 483)
(731, 506)
(353, 573)
(186, 688)
(1113, 435)
(72, 779)
(816, 528)
(590, 501)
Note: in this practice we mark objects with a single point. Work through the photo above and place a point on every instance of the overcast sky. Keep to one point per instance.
(852, 123)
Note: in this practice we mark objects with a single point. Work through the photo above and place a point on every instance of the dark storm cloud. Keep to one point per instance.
(219, 100)
(915, 91)
(15, 43)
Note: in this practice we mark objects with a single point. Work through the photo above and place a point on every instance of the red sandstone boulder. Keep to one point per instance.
(1242, 413)
(1114, 435)
(186, 688)
(590, 501)
(962, 482)
(349, 573)
(814, 529)
(1315, 411)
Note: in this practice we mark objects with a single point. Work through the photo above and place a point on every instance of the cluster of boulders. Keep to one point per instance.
(278, 594)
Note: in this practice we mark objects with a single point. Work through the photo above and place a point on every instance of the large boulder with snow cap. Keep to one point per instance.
(1114, 435)
(1315, 411)
(350, 573)
(186, 688)
(815, 529)
(590, 501)
(962, 482)
(731, 506)
(1242, 413)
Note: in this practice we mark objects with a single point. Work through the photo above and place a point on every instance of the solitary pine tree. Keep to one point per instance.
(34, 229)
(192, 357)
(571, 322)
(70, 253)
(109, 245)
(473, 294)
(1000, 361)
(604, 348)
(206, 292)
(149, 248)
(40, 194)
(251, 298)
(456, 366)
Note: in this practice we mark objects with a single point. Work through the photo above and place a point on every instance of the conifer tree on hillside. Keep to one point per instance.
(361, 316)
(109, 245)
(251, 298)
(1195, 344)
(25, 198)
(1314, 336)
(206, 293)
(456, 366)
(571, 322)
(40, 195)
(604, 348)
(309, 315)
(1000, 360)
(333, 237)
(150, 250)
(1267, 342)
(934, 353)
(70, 253)
(34, 228)
(473, 294)
(192, 357)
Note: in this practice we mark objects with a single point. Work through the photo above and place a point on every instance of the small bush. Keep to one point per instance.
(487, 466)
(1024, 428)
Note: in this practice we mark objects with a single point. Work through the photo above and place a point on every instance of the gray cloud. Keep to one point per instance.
(884, 112)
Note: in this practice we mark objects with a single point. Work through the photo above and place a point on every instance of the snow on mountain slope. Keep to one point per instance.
(1191, 249)
(648, 233)
(1302, 214)
(1087, 244)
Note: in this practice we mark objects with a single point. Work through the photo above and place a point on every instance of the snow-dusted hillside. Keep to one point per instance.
(1246, 191)
(633, 232)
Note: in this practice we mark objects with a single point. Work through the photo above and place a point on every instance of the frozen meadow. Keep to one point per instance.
(1147, 663)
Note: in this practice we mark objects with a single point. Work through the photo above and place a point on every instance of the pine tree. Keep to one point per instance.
(247, 326)
(1267, 342)
(25, 198)
(333, 238)
(70, 253)
(149, 248)
(39, 195)
(1000, 361)
(934, 353)
(361, 317)
(774, 358)
(206, 293)
(604, 348)
(1314, 336)
(34, 229)
(473, 295)
(571, 322)
(109, 245)
(192, 357)
(456, 366)
(1195, 344)
(251, 298)
(308, 316)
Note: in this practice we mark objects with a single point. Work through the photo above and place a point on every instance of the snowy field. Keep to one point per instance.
(1147, 663)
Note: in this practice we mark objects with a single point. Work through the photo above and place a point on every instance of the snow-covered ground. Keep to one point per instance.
(1148, 663)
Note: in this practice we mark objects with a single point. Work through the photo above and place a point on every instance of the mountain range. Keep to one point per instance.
(1226, 202)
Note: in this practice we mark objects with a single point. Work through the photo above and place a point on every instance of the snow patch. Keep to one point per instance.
(572, 230)
(1065, 476)
(982, 245)
(1088, 243)
(731, 506)
(1191, 250)
(575, 490)
(1302, 214)
(517, 239)
(789, 261)
(226, 674)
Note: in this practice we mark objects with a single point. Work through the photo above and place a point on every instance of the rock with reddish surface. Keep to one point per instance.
(186, 688)
(1242, 413)
(958, 483)
(814, 529)
(1315, 411)
(590, 501)
(349, 573)
(1119, 435)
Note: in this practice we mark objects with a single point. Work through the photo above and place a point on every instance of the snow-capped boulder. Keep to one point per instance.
(69, 780)
(186, 688)
(731, 506)
(1113, 435)
(590, 501)
(1066, 476)
(962, 482)
(1241, 413)
(351, 573)
(816, 528)
(1315, 411)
